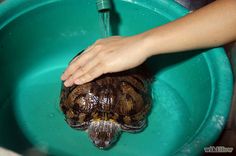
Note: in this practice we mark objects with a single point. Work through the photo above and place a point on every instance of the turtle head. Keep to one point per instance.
(104, 133)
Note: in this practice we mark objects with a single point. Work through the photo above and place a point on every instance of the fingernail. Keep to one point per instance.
(67, 83)
(62, 77)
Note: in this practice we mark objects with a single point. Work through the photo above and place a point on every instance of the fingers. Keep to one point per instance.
(79, 61)
(96, 60)
(92, 64)
(90, 75)
(86, 77)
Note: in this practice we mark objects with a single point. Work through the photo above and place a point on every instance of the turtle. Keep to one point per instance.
(108, 105)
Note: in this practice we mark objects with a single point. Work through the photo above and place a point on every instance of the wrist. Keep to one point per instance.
(149, 44)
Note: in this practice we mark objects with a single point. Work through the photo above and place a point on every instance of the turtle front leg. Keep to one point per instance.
(134, 127)
(77, 125)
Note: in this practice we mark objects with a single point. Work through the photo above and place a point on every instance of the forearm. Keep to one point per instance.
(211, 26)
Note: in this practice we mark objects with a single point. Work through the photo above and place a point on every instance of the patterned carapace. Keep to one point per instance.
(109, 104)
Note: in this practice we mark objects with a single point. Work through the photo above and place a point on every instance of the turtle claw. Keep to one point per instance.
(134, 128)
(76, 125)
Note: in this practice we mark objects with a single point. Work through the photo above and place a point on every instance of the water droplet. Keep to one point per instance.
(51, 115)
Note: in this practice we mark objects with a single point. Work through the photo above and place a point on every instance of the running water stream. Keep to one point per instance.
(104, 20)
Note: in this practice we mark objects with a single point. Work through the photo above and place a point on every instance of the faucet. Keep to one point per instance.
(104, 8)
(192, 4)
(103, 5)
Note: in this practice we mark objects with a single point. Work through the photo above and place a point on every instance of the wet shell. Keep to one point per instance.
(123, 97)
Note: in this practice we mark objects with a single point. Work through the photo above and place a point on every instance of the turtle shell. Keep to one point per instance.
(122, 97)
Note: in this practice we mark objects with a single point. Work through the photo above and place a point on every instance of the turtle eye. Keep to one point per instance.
(107, 143)
(96, 142)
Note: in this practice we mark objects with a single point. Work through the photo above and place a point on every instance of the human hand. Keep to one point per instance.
(121, 53)
(107, 55)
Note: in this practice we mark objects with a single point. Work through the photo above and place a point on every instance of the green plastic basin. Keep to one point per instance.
(191, 91)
